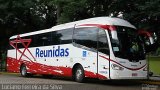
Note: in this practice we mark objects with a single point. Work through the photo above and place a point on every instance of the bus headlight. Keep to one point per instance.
(116, 67)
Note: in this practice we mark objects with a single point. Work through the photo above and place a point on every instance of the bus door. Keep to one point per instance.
(85, 42)
(103, 55)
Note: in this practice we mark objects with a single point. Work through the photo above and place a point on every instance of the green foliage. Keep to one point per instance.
(73, 10)
(154, 65)
(20, 16)
(68, 9)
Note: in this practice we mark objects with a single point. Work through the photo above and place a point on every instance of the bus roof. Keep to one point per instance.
(96, 20)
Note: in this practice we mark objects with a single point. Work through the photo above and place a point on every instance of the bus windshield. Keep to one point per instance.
(127, 44)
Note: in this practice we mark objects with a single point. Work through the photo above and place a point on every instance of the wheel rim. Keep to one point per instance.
(23, 71)
(78, 74)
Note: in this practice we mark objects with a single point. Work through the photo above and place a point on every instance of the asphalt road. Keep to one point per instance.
(16, 82)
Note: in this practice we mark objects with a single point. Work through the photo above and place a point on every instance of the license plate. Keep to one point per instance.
(134, 74)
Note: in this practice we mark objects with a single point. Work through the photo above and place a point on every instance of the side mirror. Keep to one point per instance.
(155, 37)
(146, 36)
(149, 39)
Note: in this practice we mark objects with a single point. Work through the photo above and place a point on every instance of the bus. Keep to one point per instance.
(105, 48)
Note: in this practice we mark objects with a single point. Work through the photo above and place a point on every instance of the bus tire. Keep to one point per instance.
(23, 71)
(79, 74)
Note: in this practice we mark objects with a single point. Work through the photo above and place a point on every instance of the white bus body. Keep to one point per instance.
(101, 47)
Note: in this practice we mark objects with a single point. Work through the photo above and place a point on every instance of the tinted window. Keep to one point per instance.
(20, 42)
(33, 40)
(86, 37)
(62, 37)
(128, 45)
(65, 36)
(49, 38)
(43, 39)
(102, 42)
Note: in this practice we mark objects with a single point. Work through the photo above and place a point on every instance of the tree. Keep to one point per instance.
(21, 16)
(142, 13)
(72, 10)
(12, 13)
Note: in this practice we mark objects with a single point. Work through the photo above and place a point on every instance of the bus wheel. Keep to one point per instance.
(23, 71)
(79, 74)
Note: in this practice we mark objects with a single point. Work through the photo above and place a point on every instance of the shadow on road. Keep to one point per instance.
(93, 81)
(115, 82)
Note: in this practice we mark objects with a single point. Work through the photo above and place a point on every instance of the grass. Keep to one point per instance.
(154, 65)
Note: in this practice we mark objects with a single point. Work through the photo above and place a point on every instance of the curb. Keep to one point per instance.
(8, 73)
(151, 82)
(156, 76)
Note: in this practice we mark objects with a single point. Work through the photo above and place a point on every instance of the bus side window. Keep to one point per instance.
(44, 39)
(62, 36)
(86, 37)
(65, 36)
(102, 42)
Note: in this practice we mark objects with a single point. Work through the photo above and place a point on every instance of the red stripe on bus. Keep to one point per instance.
(25, 43)
(123, 65)
(13, 65)
(109, 27)
(140, 32)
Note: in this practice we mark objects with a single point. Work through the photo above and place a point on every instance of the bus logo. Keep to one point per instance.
(84, 53)
(53, 52)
